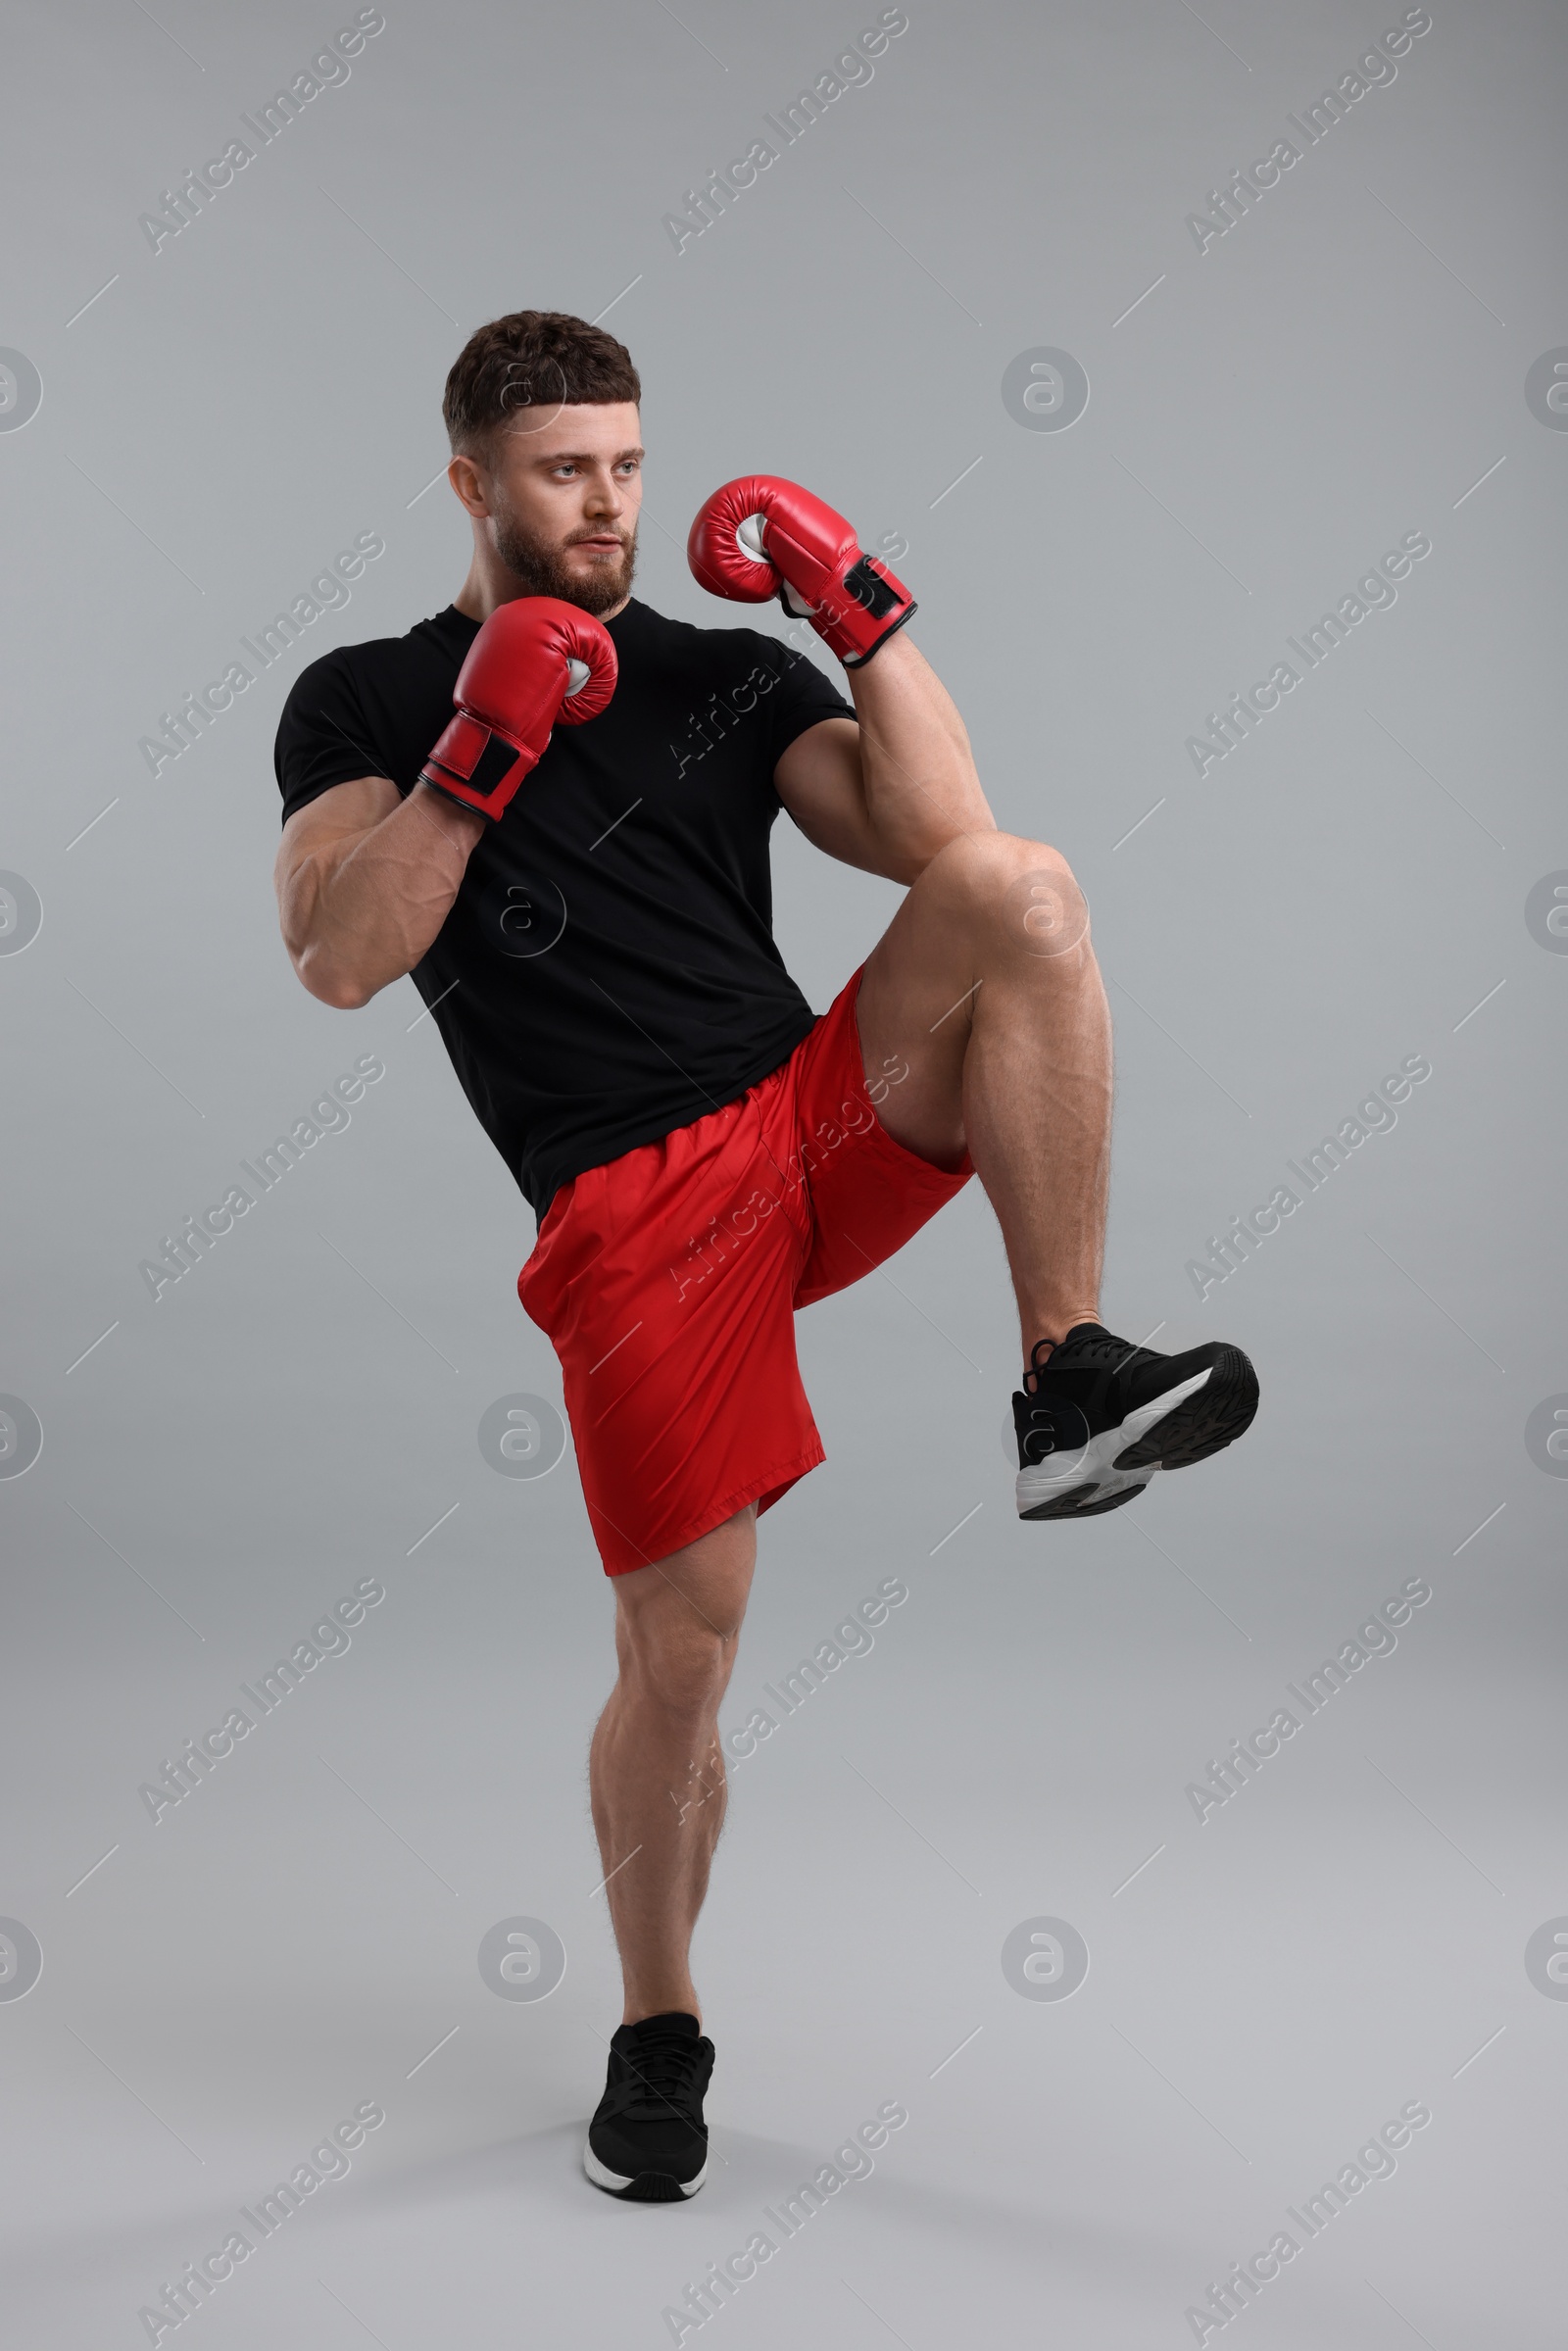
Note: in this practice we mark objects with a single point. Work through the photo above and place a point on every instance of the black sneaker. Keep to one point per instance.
(1100, 1416)
(648, 2141)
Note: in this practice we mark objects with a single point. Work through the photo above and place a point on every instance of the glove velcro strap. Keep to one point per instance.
(866, 608)
(874, 587)
(475, 767)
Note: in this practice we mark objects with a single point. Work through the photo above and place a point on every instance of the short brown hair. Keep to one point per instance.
(531, 359)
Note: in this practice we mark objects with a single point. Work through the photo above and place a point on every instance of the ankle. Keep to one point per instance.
(1053, 1331)
(637, 2012)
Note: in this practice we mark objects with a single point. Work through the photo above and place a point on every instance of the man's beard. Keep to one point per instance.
(540, 565)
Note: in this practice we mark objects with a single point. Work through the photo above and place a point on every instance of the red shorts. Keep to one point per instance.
(669, 1279)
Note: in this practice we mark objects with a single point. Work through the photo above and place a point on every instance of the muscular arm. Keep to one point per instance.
(889, 793)
(365, 880)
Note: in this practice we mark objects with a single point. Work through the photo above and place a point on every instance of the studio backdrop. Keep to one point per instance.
(1206, 375)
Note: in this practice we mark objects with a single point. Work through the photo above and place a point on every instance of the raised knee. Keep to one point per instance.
(1021, 891)
(985, 865)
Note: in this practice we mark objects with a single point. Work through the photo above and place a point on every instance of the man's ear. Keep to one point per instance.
(470, 484)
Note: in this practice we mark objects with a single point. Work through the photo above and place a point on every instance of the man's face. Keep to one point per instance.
(560, 495)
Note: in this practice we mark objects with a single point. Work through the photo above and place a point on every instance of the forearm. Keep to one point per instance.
(921, 786)
(361, 911)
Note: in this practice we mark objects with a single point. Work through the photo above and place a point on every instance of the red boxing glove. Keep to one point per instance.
(534, 662)
(759, 537)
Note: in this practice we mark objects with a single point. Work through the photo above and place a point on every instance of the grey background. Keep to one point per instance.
(1343, 890)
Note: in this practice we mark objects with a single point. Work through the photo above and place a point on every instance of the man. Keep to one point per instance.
(588, 914)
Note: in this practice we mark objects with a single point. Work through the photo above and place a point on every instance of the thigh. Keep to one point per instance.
(869, 1190)
(989, 908)
(666, 1287)
(915, 1006)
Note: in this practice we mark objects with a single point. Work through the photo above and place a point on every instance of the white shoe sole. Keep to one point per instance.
(616, 2182)
(1047, 1481)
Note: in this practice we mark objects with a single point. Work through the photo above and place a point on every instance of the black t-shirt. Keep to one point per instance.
(607, 972)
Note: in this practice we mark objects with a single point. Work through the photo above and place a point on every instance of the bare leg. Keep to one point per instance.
(986, 985)
(655, 1769)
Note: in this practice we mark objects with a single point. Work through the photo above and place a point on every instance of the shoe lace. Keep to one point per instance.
(1108, 1354)
(663, 2072)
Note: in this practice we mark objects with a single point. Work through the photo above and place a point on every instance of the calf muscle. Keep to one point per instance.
(656, 1767)
(986, 984)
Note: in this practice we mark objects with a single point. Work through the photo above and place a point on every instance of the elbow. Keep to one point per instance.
(345, 991)
(344, 996)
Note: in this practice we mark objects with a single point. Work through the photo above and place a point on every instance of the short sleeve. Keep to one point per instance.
(322, 738)
(802, 698)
